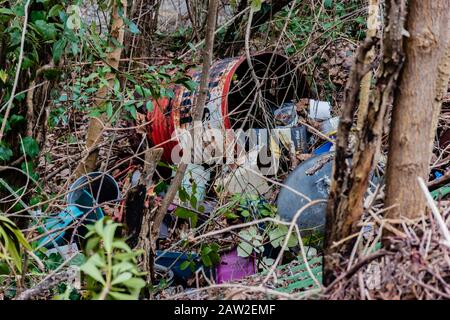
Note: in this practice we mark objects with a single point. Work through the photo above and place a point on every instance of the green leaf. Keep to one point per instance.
(31, 147)
(47, 30)
(109, 109)
(5, 153)
(215, 258)
(135, 283)
(139, 90)
(122, 296)
(6, 11)
(3, 75)
(328, 4)
(245, 213)
(122, 277)
(206, 260)
(193, 202)
(149, 106)
(108, 236)
(78, 260)
(132, 110)
(187, 214)
(206, 250)
(275, 237)
(58, 49)
(183, 195)
(244, 249)
(256, 5)
(184, 265)
(91, 270)
(54, 11)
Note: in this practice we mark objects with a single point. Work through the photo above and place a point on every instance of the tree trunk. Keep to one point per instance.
(350, 181)
(417, 106)
(95, 129)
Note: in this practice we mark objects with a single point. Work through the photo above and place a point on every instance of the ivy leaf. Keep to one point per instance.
(244, 249)
(187, 214)
(31, 147)
(275, 237)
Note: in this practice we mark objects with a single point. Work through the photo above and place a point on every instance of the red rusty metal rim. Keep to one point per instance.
(163, 116)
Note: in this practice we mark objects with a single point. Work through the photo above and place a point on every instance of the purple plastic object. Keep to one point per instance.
(233, 267)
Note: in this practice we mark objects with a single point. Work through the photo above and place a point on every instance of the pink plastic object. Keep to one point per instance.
(233, 267)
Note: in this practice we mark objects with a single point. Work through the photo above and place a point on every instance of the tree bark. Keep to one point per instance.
(141, 194)
(417, 106)
(95, 128)
(350, 181)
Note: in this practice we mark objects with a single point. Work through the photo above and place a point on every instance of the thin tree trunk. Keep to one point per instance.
(197, 112)
(350, 181)
(417, 106)
(146, 242)
(95, 129)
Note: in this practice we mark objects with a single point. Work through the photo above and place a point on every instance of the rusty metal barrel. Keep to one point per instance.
(231, 92)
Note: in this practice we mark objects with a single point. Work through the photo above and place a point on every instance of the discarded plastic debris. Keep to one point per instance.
(66, 217)
(83, 197)
(311, 179)
(324, 148)
(198, 175)
(296, 276)
(232, 267)
(102, 186)
(286, 115)
(441, 192)
(296, 136)
(174, 260)
(66, 250)
(319, 110)
(165, 273)
(329, 127)
(246, 179)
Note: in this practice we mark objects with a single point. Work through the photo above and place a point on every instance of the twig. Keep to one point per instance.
(19, 65)
(440, 221)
